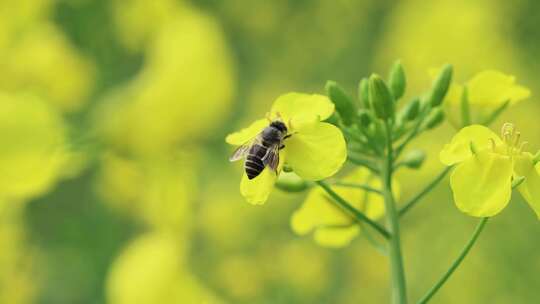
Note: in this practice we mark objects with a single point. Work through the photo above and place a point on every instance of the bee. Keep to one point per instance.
(263, 149)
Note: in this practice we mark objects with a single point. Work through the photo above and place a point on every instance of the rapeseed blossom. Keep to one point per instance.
(488, 167)
(315, 150)
(486, 92)
(331, 226)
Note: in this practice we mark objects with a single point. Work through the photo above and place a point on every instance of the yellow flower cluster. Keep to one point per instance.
(149, 165)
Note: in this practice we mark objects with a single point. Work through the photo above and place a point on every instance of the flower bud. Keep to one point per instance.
(397, 80)
(363, 93)
(344, 105)
(290, 182)
(411, 110)
(440, 86)
(414, 159)
(435, 118)
(363, 119)
(380, 98)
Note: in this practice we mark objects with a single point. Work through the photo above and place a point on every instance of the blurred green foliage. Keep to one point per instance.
(134, 100)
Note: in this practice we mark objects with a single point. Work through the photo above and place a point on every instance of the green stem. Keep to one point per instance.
(425, 191)
(359, 186)
(359, 161)
(396, 259)
(456, 263)
(358, 215)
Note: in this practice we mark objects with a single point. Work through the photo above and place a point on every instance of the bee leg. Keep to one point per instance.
(281, 147)
(287, 136)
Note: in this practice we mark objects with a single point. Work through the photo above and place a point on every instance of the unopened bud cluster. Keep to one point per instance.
(381, 104)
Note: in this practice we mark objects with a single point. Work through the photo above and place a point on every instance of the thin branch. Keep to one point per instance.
(425, 191)
(359, 216)
(359, 186)
(456, 263)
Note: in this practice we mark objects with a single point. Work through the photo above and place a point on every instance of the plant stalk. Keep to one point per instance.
(399, 289)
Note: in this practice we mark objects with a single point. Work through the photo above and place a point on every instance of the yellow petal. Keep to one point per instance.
(257, 190)
(494, 88)
(318, 210)
(482, 184)
(301, 106)
(34, 153)
(530, 188)
(336, 237)
(317, 151)
(459, 147)
(331, 225)
(246, 134)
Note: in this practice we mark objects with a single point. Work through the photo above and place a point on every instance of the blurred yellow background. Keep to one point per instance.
(115, 185)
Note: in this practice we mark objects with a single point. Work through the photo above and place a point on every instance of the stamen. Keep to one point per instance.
(516, 139)
(493, 145)
(523, 144)
(507, 131)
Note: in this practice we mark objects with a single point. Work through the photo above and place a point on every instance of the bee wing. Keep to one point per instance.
(243, 150)
(271, 159)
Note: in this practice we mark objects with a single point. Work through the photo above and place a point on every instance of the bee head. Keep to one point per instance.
(278, 124)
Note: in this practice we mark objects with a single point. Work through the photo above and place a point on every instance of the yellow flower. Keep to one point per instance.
(158, 191)
(487, 91)
(332, 227)
(315, 150)
(34, 146)
(152, 269)
(486, 166)
(187, 66)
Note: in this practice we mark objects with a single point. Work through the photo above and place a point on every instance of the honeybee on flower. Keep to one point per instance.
(312, 148)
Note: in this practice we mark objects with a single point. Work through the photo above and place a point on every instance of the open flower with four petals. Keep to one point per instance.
(487, 167)
(314, 150)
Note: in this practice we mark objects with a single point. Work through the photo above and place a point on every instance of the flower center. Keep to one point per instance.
(512, 139)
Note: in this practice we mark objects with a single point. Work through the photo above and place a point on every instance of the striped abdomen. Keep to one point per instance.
(254, 164)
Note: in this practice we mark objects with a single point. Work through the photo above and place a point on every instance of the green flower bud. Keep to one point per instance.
(414, 159)
(344, 105)
(380, 98)
(363, 93)
(435, 118)
(397, 80)
(440, 86)
(363, 119)
(411, 110)
(290, 182)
